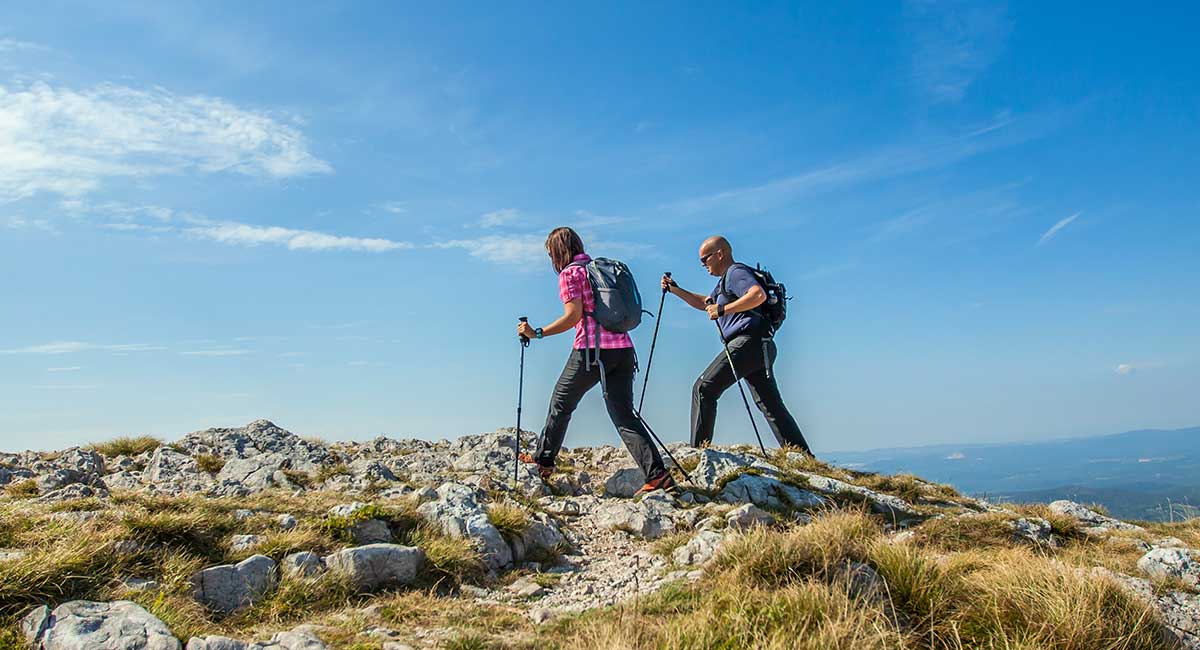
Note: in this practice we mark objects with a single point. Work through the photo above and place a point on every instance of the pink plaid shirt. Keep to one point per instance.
(573, 284)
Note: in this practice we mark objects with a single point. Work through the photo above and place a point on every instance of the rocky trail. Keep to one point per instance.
(381, 515)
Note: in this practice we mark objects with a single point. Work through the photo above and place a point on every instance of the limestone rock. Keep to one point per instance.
(304, 564)
(747, 516)
(167, 465)
(699, 549)
(717, 465)
(893, 507)
(768, 491)
(1180, 563)
(377, 565)
(255, 472)
(624, 482)
(229, 587)
(458, 512)
(650, 518)
(80, 624)
(1093, 522)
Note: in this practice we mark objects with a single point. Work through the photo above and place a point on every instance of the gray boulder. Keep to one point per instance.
(624, 482)
(240, 543)
(72, 492)
(57, 479)
(371, 531)
(295, 640)
(1179, 563)
(768, 491)
(304, 564)
(716, 465)
(86, 625)
(258, 438)
(287, 522)
(84, 461)
(458, 512)
(650, 518)
(1093, 522)
(230, 587)
(1032, 530)
(255, 472)
(748, 516)
(895, 508)
(377, 565)
(699, 549)
(167, 465)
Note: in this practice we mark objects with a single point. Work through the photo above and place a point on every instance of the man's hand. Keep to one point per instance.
(526, 330)
(713, 309)
(667, 283)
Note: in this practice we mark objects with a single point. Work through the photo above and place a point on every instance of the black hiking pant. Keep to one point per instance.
(753, 356)
(576, 380)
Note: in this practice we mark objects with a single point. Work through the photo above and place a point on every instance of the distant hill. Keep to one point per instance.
(1149, 474)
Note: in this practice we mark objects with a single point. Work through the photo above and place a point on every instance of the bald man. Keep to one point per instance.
(733, 304)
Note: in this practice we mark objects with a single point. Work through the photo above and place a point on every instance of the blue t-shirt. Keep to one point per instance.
(738, 280)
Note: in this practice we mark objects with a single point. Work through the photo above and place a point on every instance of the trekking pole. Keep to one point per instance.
(737, 380)
(653, 341)
(520, 399)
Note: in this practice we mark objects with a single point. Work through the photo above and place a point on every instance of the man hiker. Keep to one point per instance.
(749, 340)
(595, 350)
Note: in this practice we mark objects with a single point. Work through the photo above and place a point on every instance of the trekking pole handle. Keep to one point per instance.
(670, 281)
(524, 319)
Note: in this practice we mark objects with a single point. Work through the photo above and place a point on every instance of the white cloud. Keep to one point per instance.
(12, 45)
(68, 347)
(307, 240)
(953, 43)
(68, 142)
(215, 353)
(502, 249)
(136, 227)
(24, 223)
(1125, 368)
(1062, 223)
(394, 207)
(65, 369)
(498, 218)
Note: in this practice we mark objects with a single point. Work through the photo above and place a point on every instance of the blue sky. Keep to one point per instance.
(330, 215)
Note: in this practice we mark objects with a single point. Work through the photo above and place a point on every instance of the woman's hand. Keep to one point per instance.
(526, 330)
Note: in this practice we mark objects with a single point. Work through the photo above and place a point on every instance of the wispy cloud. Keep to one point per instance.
(24, 223)
(498, 218)
(13, 45)
(68, 142)
(241, 234)
(887, 163)
(1054, 230)
(68, 347)
(953, 43)
(393, 207)
(215, 353)
(1137, 366)
(66, 387)
(501, 249)
(65, 369)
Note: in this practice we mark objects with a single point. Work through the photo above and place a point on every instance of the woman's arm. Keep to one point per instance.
(572, 312)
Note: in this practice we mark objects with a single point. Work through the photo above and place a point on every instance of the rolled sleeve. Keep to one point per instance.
(568, 288)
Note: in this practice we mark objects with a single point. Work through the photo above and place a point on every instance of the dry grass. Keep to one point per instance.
(209, 463)
(22, 489)
(965, 533)
(510, 519)
(126, 446)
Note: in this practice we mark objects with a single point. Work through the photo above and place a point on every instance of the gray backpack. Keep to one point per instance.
(618, 302)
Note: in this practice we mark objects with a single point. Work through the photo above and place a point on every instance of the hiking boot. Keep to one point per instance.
(544, 471)
(662, 482)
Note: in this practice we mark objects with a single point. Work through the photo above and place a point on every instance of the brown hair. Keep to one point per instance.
(563, 244)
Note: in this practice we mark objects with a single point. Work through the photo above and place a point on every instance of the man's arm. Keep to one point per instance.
(694, 299)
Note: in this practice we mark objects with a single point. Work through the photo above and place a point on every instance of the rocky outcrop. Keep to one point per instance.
(80, 624)
(1093, 522)
(1179, 563)
(650, 518)
(376, 566)
(230, 587)
(699, 549)
(458, 512)
(297, 639)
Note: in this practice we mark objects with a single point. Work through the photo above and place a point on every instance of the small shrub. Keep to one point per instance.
(22, 489)
(511, 520)
(209, 463)
(451, 558)
(126, 446)
(326, 472)
(402, 519)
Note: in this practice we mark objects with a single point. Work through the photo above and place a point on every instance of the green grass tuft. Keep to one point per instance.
(126, 446)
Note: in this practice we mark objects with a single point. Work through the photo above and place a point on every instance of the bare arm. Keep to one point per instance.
(753, 298)
(572, 312)
(694, 299)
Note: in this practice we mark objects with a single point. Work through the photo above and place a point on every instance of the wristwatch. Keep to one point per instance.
(720, 310)
(538, 332)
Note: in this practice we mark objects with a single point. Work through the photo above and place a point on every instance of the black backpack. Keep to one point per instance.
(774, 310)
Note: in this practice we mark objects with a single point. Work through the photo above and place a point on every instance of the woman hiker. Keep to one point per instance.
(582, 373)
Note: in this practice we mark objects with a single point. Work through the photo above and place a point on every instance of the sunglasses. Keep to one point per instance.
(704, 258)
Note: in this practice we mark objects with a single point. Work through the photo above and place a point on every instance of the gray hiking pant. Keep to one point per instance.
(753, 356)
(576, 380)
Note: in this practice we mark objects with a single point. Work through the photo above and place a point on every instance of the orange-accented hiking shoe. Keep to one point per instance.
(663, 482)
(544, 471)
